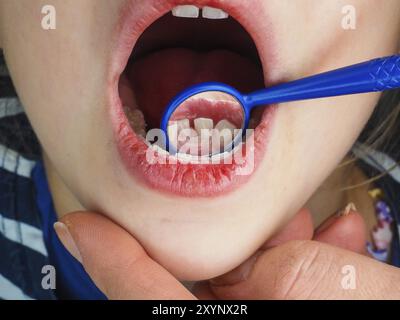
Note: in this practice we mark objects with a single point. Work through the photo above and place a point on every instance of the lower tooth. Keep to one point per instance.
(136, 120)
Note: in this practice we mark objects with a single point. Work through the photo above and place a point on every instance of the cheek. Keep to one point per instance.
(60, 75)
(309, 140)
(313, 136)
(316, 41)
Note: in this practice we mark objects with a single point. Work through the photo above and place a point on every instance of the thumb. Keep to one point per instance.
(115, 261)
(313, 270)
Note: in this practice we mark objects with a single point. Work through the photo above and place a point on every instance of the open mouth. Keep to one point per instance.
(160, 52)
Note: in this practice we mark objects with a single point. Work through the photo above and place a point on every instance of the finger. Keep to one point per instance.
(314, 270)
(346, 230)
(115, 261)
(299, 228)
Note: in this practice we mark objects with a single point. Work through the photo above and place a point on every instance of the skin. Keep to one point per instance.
(60, 77)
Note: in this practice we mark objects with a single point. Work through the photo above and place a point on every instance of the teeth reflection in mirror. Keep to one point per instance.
(188, 142)
(187, 133)
(226, 138)
(214, 13)
(202, 140)
(186, 11)
(205, 146)
(216, 142)
(226, 130)
(203, 123)
(183, 124)
(172, 132)
(225, 124)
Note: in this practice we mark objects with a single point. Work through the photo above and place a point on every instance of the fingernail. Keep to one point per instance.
(66, 239)
(239, 274)
(351, 207)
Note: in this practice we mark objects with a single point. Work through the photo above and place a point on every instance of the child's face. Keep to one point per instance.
(203, 226)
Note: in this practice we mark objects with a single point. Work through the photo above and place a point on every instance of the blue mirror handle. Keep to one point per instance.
(371, 76)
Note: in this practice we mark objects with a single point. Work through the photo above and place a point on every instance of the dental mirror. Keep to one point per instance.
(206, 109)
(205, 122)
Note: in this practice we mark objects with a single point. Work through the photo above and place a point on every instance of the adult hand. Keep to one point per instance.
(288, 266)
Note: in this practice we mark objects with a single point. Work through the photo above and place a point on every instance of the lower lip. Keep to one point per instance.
(185, 180)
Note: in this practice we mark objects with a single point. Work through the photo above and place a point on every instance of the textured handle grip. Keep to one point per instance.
(386, 73)
(370, 76)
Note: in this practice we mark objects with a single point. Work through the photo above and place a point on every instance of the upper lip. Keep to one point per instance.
(182, 179)
(247, 13)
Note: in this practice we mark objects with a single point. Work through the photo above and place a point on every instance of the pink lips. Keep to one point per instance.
(188, 180)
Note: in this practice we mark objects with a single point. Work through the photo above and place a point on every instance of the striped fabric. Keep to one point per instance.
(13, 162)
(6, 86)
(10, 291)
(15, 130)
(10, 107)
(23, 253)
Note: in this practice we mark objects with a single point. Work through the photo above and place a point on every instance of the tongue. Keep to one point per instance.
(158, 77)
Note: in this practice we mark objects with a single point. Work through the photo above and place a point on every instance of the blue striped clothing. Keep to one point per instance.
(28, 243)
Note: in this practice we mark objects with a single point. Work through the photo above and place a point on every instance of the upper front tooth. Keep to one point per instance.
(225, 124)
(172, 131)
(214, 13)
(183, 124)
(186, 11)
(226, 132)
(203, 124)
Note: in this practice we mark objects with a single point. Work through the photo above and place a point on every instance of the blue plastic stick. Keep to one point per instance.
(372, 76)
